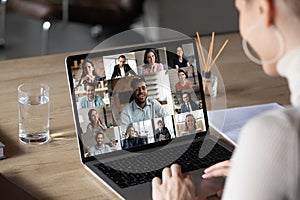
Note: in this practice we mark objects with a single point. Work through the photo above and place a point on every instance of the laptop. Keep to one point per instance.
(134, 120)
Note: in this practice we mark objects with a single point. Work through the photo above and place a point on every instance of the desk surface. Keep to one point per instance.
(53, 170)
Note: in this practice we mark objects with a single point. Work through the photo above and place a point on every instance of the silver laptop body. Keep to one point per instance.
(108, 150)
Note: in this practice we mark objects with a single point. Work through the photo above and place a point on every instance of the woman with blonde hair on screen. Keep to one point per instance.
(265, 164)
(190, 124)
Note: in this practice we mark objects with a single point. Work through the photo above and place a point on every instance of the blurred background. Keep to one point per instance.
(78, 25)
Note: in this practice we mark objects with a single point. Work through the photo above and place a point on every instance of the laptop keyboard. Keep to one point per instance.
(139, 168)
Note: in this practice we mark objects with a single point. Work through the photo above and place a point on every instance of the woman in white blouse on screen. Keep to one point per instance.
(151, 61)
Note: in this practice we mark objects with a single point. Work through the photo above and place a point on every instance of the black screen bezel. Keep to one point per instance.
(68, 62)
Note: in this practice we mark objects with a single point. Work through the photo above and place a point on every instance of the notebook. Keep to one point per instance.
(128, 107)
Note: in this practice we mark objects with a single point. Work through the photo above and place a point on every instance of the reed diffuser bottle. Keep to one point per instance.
(209, 80)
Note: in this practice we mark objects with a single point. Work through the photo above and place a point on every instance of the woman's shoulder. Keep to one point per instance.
(188, 83)
(160, 66)
(275, 123)
(177, 85)
(289, 115)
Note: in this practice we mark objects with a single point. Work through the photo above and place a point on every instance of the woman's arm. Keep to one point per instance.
(260, 164)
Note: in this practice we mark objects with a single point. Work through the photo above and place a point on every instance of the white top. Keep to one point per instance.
(122, 71)
(266, 161)
(289, 67)
(265, 164)
(95, 150)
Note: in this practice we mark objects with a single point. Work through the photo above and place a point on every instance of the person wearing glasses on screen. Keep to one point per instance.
(122, 69)
(188, 104)
(141, 107)
(265, 164)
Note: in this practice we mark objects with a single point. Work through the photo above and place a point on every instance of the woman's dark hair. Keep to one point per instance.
(90, 116)
(84, 71)
(90, 113)
(181, 70)
(146, 54)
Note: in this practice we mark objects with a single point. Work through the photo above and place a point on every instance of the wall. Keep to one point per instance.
(191, 16)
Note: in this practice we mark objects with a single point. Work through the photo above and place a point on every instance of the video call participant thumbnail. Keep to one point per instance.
(132, 138)
(90, 100)
(142, 107)
(162, 132)
(122, 69)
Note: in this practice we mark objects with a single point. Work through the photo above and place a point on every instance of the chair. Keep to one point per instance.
(114, 14)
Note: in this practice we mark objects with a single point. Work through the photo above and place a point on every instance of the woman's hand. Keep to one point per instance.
(99, 123)
(88, 78)
(173, 185)
(217, 170)
(126, 136)
(153, 68)
(220, 169)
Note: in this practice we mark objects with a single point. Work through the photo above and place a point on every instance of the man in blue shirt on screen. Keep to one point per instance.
(141, 108)
(90, 100)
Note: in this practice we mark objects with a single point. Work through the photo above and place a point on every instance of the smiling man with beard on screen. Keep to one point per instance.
(142, 107)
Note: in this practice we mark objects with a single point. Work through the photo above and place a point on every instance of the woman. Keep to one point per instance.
(180, 61)
(95, 125)
(183, 84)
(265, 164)
(99, 147)
(151, 62)
(88, 73)
(190, 124)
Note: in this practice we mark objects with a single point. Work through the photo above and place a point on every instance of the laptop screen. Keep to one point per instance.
(135, 97)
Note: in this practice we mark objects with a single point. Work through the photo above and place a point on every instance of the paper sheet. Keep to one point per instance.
(236, 118)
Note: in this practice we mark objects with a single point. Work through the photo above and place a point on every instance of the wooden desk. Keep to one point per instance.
(53, 170)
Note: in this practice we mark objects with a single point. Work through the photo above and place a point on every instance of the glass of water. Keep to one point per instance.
(34, 111)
